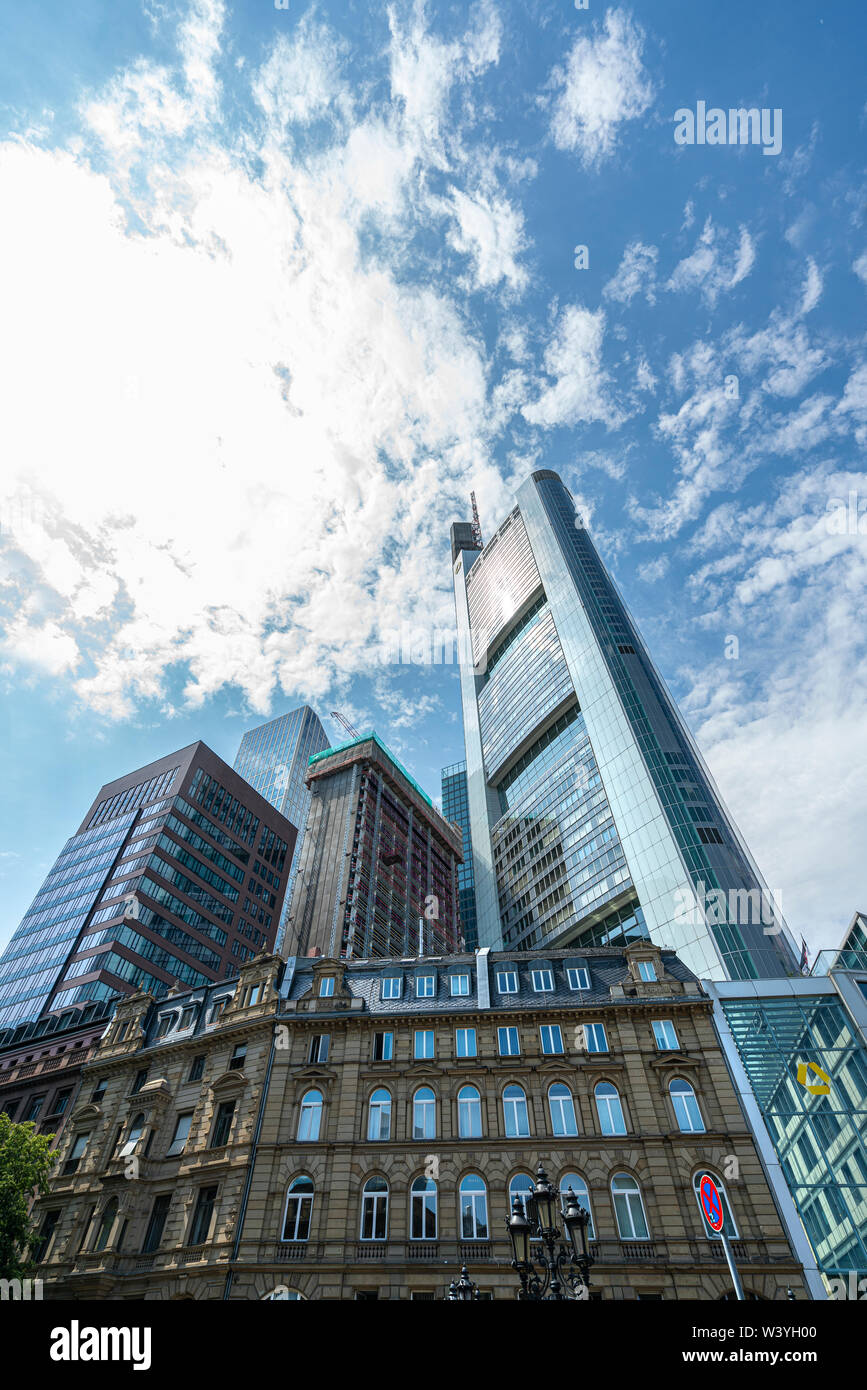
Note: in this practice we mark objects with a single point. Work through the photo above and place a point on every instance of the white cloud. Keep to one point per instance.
(860, 267)
(636, 274)
(490, 230)
(603, 85)
(580, 389)
(709, 270)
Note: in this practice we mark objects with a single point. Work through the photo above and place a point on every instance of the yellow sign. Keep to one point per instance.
(815, 1089)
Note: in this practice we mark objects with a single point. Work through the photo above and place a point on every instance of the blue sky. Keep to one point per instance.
(280, 287)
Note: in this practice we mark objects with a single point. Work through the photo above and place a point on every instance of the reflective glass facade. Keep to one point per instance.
(807, 1067)
(49, 929)
(273, 758)
(456, 808)
(586, 792)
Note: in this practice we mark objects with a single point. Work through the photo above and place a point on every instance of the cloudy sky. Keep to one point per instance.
(281, 286)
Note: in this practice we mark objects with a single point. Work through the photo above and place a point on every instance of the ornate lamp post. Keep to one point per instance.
(464, 1291)
(563, 1259)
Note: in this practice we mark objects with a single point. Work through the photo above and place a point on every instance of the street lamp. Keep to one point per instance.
(562, 1259)
(464, 1291)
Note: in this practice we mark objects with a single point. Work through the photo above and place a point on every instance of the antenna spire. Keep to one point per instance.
(477, 526)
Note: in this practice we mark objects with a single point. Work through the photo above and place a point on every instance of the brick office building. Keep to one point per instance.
(324, 1128)
(41, 1063)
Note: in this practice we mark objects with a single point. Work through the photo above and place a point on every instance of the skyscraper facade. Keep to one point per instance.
(176, 874)
(456, 808)
(377, 874)
(273, 758)
(593, 816)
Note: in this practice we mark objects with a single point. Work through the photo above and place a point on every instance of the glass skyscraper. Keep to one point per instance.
(175, 875)
(593, 817)
(456, 808)
(273, 758)
(796, 1049)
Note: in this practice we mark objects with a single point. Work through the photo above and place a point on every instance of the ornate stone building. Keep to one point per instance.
(323, 1128)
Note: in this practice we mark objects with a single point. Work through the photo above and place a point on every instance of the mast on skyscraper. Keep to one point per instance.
(477, 526)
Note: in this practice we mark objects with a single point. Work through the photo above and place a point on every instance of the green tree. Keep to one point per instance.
(26, 1161)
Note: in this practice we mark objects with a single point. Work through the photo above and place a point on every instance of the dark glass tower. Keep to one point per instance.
(456, 808)
(592, 813)
(273, 758)
(176, 873)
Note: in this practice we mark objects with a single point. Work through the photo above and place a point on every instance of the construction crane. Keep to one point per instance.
(341, 719)
(477, 526)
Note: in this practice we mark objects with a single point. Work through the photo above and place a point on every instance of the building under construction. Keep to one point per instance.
(378, 870)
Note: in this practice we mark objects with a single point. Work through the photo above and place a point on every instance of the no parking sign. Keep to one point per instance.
(711, 1203)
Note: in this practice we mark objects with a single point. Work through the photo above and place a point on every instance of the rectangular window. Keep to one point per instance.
(198, 1067)
(460, 984)
(424, 986)
(552, 1039)
(187, 1018)
(201, 1227)
(78, 1147)
(154, 1232)
(383, 1047)
(543, 981)
(647, 970)
(665, 1035)
(318, 1050)
(239, 1056)
(34, 1108)
(49, 1225)
(578, 977)
(140, 1079)
(164, 1024)
(465, 1042)
(61, 1101)
(182, 1131)
(507, 1039)
(424, 1043)
(391, 987)
(595, 1038)
(326, 987)
(507, 981)
(223, 1126)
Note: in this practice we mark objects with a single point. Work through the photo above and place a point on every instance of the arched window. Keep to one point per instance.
(629, 1208)
(423, 1210)
(729, 1226)
(686, 1110)
(109, 1216)
(135, 1133)
(562, 1109)
(521, 1186)
(473, 1205)
(299, 1209)
(579, 1187)
(310, 1121)
(374, 1209)
(379, 1115)
(424, 1114)
(609, 1109)
(469, 1113)
(282, 1293)
(515, 1113)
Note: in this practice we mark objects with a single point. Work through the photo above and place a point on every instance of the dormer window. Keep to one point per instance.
(326, 987)
(543, 980)
(578, 977)
(391, 987)
(647, 971)
(425, 986)
(165, 1024)
(460, 984)
(507, 981)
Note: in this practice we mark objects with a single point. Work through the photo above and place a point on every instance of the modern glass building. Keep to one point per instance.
(796, 1049)
(176, 874)
(593, 817)
(273, 758)
(456, 808)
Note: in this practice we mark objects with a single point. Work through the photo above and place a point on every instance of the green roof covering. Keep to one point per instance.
(367, 738)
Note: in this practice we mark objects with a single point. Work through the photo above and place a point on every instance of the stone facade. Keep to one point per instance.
(132, 1221)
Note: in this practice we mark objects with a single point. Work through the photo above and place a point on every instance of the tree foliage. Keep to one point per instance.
(26, 1161)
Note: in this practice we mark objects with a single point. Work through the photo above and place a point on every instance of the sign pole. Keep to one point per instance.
(736, 1279)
